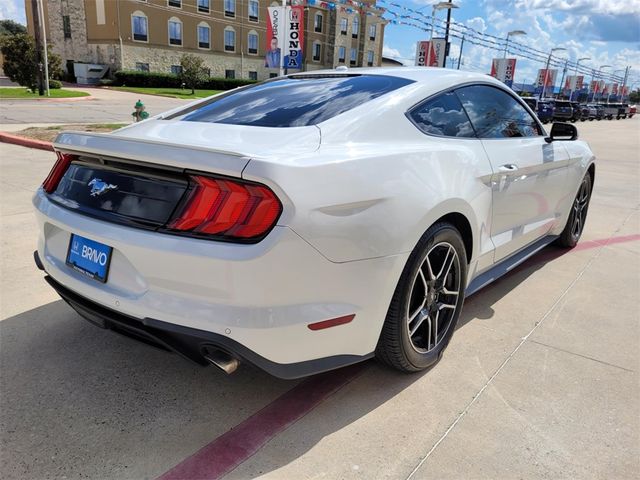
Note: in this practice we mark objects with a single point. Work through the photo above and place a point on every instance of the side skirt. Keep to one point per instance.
(508, 264)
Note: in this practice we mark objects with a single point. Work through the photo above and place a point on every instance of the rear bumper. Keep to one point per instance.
(190, 343)
(259, 298)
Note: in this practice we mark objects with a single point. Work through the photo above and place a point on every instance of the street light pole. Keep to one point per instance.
(575, 74)
(434, 9)
(511, 33)
(546, 71)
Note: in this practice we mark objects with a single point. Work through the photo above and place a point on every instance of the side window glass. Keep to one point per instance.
(496, 114)
(443, 116)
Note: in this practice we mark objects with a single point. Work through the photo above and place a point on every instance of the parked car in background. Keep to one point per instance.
(632, 110)
(343, 216)
(599, 110)
(623, 110)
(542, 108)
(610, 110)
(589, 112)
(576, 112)
(562, 110)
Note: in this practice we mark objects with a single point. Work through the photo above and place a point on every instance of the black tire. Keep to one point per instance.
(571, 234)
(396, 346)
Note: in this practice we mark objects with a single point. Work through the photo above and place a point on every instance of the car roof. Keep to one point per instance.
(418, 74)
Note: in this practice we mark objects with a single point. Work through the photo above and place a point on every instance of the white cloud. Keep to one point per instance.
(13, 10)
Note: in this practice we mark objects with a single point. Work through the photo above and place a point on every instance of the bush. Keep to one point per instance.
(55, 84)
(20, 63)
(131, 78)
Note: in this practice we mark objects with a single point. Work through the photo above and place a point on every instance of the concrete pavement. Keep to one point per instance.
(106, 106)
(539, 381)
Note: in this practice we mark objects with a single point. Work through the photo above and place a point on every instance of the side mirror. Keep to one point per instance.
(562, 131)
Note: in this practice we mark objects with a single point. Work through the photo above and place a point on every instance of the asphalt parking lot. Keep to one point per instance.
(540, 380)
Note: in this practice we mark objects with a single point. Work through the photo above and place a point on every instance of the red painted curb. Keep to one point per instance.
(25, 142)
(234, 447)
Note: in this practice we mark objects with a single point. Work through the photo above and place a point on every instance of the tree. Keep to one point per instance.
(20, 63)
(9, 27)
(634, 97)
(193, 71)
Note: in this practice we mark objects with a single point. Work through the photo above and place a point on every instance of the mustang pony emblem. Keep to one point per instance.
(98, 187)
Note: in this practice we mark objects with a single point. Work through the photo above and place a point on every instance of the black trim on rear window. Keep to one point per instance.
(294, 101)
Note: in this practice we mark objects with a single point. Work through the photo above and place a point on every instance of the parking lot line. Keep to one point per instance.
(238, 444)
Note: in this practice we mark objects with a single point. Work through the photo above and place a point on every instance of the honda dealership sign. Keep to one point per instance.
(436, 53)
(285, 33)
(504, 70)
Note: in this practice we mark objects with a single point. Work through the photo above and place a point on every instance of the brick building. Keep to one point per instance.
(230, 35)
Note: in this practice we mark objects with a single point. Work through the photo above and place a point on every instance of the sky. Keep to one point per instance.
(607, 31)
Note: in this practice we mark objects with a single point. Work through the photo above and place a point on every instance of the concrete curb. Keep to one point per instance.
(53, 100)
(25, 142)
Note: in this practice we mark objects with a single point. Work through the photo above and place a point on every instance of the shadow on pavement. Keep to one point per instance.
(79, 401)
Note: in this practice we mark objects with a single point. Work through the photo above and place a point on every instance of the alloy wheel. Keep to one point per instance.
(433, 297)
(580, 206)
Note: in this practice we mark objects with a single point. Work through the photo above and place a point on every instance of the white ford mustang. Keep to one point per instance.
(310, 221)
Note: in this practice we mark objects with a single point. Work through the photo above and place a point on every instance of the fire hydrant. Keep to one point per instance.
(140, 113)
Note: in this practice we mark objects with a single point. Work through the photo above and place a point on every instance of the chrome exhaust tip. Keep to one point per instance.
(221, 359)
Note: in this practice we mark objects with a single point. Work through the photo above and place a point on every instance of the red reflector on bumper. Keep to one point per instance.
(331, 323)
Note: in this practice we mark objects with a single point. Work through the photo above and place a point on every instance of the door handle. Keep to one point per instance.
(508, 167)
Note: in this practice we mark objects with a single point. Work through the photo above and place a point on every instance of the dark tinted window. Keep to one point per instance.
(443, 116)
(496, 114)
(294, 101)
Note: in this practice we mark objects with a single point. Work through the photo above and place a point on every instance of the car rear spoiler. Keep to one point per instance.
(149, 151)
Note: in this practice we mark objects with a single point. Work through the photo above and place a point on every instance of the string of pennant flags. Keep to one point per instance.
(395, 13)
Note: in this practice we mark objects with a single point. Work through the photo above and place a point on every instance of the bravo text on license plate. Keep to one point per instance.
(89, 257)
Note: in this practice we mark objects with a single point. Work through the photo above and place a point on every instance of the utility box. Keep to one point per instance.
(89, 73)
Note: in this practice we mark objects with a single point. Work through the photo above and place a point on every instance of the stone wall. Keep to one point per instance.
(75, 48)
(161, 60)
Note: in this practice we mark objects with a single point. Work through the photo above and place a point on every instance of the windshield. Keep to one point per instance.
(295, 101)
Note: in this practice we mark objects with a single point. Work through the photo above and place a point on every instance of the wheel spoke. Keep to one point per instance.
(436, 328)
(424, 281)
(417, 325)
(446, 305)
(428, 262)
(446, 265)
(446, 291)
(417, 312)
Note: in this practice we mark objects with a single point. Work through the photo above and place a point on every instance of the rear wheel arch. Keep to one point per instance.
(462, 224)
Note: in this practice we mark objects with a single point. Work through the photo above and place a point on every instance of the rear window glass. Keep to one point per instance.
(295, 101)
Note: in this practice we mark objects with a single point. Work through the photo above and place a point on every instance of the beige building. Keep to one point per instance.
(230, 35)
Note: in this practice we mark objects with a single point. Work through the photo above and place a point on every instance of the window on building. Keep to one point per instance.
(203, 6)
(342, 52)
(353, 59)
(142, 67)
(442, 116)
(372, 32)
(254, 9)
(176, 69)
(139, 27)
(175, 3)
(229, 8)
(344, 26)
(317, 51)
(229, 39)
(66, 26)
(317, 23)
(253, 42)
(204, 35)
(175, 31)
(496, 114)
(253, 76)
(370, 58)
(229, 74)
(355, 27)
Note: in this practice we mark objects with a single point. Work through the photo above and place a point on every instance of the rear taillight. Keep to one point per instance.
(57, 172)
(227, 209)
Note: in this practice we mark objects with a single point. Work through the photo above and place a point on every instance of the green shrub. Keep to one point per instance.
(54, 84)
(132, 78)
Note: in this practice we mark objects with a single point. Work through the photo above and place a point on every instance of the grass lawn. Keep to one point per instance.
(168, 92)
(21, 92)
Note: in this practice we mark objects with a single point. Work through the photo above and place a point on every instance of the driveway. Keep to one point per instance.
(105, 106)
(540, 380)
